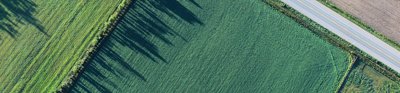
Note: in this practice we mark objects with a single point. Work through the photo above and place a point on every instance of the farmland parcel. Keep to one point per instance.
(383, 16)
(211, 46)
(41, 40)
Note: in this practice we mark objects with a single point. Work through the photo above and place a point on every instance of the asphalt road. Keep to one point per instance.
(349, 31)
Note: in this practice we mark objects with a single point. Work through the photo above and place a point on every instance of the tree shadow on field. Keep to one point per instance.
(22, 10)
(138, 30)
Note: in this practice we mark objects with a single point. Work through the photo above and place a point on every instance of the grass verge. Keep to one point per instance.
(364, 79)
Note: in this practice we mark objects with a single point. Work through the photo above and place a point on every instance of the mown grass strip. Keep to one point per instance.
(107, 28)
(332, 38)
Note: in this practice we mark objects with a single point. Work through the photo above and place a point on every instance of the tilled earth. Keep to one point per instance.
(382, 15)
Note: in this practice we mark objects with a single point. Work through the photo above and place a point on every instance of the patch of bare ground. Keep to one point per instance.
(382, 15)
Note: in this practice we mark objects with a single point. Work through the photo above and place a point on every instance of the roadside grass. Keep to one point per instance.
(211, 46)
(364, 78)
(43, 40)
(370, 61)
(332, 38)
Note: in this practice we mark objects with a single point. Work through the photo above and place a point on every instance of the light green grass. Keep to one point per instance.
(208, 46)
(364, 78)
(41, 40)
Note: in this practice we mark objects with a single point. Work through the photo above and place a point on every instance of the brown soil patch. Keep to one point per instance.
(382, 15)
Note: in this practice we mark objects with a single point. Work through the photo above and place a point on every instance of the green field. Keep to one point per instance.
(364, 78)
(207, 46)
(41, 40)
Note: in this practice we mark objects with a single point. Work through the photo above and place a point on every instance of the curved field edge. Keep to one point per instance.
(107, 28)
(342, 82)
(334, 39)
(235, 64)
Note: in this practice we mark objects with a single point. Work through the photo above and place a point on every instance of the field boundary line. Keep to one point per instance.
(353, 59)
(107, 28)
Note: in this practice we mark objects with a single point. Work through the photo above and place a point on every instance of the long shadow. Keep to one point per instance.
(138, 30)
(353, 67)
(141, 23)
(173, 7)
(195, 3)
(22, 10)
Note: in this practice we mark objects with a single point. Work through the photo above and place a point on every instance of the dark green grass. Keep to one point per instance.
(208, 46)
(21, 9)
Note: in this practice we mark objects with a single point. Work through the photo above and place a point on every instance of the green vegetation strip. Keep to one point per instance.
(353, 60)
(109, 26)
(211, 46)
(332, 38)
(365, 79)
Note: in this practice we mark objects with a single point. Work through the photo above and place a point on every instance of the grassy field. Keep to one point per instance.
(211, 46)
(41, 40)
(365, 79)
